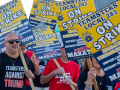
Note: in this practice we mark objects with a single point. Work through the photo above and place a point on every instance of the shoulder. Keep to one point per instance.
(25, 55)
(74, 63)
(28, 51)
(51, 60)
(2, 54)
(82, 78)
(84, 73)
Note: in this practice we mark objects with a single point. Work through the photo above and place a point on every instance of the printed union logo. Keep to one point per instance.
(88, 38)
(35, 6)
(60, 18)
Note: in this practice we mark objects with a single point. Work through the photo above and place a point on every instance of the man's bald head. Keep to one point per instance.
(11, 48)
(10, 35)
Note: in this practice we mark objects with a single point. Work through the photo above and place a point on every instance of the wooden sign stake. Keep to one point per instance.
(63, 73)
(26, 68)
(90, 66)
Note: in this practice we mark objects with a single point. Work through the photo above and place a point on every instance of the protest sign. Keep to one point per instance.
(42, 17)
(69, 12)
(100, 32)
(13, 19)
(45, 46)
(43, 24)
(42, 12)
(74, 46)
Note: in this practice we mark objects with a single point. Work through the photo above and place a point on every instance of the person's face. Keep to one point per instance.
(95, 63)
(24, 47)
(62, 49)
(12, 46)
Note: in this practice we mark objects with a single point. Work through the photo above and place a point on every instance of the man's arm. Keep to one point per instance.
(70, 82)
(46, 78)
(75, 86)
(37, 68)
(29, 74)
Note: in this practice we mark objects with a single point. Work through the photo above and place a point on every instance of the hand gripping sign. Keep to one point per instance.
(42, 12)
(101, 32)
(46, 46)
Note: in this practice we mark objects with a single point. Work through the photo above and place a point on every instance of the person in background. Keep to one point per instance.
(85, 81)
(12, 72)
(34, 61)
(53, 74)
(37, 84)
(117, 86)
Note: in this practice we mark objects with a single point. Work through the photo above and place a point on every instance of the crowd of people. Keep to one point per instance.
(13, 76)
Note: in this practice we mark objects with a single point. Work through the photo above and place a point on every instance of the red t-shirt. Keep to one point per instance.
(117, 86)
(58, 81)
(29, 53)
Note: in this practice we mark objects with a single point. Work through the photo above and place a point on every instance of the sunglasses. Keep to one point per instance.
(12, 41)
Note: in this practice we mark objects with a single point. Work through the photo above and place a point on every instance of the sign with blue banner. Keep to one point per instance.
(46, 46)
(13, 20)
(46, 52)
(101, 34)
(74, 46)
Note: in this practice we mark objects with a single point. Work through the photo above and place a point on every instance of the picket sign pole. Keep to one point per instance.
(26, 68)
(55, 61)
(33, 53)
(90, 66)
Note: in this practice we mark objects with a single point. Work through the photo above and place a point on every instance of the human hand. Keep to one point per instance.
(33, 59)
(59, 70)
(91, 75)
(69, 81)
(29, 74)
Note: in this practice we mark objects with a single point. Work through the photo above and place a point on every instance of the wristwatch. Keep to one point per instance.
(86, 83)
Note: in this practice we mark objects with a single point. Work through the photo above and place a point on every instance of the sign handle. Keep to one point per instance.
(33, 54)
(55, 61)
(90, 66)
(26, 68)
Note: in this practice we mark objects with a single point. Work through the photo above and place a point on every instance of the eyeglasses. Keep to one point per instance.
(12, 41)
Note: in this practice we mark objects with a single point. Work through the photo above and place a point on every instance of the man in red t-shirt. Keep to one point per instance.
(34, 61)
(54, 74)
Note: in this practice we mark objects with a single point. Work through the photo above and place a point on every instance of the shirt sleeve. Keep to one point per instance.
(32, 67)
(82, 78)
(48, 69)
(117, 86)
(77, 74)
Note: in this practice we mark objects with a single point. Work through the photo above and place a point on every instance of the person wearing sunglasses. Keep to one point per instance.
(53, 74)
(34, 61)
(12, 72)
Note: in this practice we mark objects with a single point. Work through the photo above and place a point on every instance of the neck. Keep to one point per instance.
(100, 72)
(24, 51)
(12, 54)
(64, 59)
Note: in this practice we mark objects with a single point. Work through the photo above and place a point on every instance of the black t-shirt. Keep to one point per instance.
(12, 77)
(106, 84)
(37, 77)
